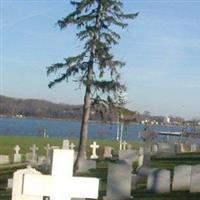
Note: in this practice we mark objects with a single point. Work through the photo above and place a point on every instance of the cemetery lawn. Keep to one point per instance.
(7, 144)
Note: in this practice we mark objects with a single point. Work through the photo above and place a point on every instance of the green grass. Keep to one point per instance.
(7, 144)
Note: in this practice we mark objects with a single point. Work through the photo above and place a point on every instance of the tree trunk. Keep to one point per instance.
(84, 129)
(84, 125)
(87, 100)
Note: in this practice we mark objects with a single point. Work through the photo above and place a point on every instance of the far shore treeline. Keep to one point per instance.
(37, 108)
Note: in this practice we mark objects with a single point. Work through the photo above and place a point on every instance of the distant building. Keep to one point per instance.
(19, 116)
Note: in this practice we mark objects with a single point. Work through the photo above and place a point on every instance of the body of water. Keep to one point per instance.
(71, 129)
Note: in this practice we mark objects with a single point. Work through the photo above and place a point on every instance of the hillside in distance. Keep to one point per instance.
(38, 108)
(45, 109)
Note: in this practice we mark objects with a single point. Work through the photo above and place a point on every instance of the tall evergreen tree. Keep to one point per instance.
(95, 67)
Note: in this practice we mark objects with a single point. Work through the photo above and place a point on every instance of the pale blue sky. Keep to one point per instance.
(161, 49)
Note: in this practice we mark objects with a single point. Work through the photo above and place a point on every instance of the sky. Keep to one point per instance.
(161, 48)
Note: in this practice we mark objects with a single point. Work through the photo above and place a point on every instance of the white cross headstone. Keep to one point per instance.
(124, 143)
(94, 146)
(61, 185)
(17, 149)
(17, 156)
(34, 148)
(47, 148)
(120, 145)
(72, 146)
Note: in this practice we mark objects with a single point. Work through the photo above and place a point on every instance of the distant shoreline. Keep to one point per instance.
(76, 120)
(59, 119)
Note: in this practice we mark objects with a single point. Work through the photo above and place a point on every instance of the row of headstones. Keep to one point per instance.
(124, 149)
(29, 183)
(128, 155)
(170, 149)
(190, 148)
(185, 178)
(123, 145)
(34, 159)
(119, 178)
(119, 181)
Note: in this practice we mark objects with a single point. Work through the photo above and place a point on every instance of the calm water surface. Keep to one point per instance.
(69, 129)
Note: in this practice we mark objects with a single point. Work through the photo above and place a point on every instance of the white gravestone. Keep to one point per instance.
(61, 185)
(118, 182)
(107, 152)
(4, 159)
(129, 155)
(86, 165)
(155, 148)
(182, 148)
(65, 144)
(48, 157)
(94, 147)
(134, 181)
(181, 179)
(141, 150)
(148, 136)
(9, 183)
(195, 179)
(18, 185)
(51, 153)
(28, 157)
(140, 157)
(55, 147)
(42, 160)
(159, 181)
(166, 150)
(122, 145)
(17, 156)
(47, 148)
(72, 146)
(33, 149)
(140, 160)
(193, 147)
